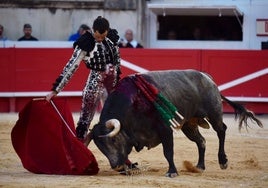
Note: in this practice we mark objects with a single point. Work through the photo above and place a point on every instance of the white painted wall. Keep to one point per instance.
(252, 9)
(59, 25)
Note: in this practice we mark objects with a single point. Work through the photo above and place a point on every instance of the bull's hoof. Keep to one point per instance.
(199, 170)
(224, 166)
(171, 175)
(130, 169)
(130, 172)
(133, 166)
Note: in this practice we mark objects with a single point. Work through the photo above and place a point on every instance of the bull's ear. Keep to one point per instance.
(112, 124)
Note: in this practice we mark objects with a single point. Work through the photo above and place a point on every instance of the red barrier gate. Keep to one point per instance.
(241, 75)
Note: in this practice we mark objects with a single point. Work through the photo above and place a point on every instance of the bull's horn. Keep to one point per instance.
(115, 124)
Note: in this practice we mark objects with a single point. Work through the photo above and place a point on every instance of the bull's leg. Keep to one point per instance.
(192, 132)
(168, 148)
(223, 161)
(214, 113)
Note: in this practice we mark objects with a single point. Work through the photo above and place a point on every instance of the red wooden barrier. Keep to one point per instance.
(155, 59)
(226, 66)
(239, 73)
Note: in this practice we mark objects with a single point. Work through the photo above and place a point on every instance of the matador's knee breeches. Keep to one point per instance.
(92, 93)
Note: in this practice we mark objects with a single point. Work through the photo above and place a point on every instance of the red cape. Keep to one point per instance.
(45, 144)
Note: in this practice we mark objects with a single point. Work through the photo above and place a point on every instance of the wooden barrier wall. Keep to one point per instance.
(240, 74)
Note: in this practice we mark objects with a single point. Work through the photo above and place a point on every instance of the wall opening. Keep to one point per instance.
(200, 27)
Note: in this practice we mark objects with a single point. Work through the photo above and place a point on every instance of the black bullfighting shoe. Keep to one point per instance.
(81, 131)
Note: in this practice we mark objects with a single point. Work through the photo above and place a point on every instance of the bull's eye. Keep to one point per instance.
(113, 140)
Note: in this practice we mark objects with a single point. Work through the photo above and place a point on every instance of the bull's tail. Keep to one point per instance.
(242, 113)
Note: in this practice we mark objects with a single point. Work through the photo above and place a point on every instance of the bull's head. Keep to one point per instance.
(112, 142)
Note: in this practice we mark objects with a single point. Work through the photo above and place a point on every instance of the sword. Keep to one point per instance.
(58, 112)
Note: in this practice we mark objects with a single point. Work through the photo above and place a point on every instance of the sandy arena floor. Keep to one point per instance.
(247, 154)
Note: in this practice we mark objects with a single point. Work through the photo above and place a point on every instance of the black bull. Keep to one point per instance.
(129, 119)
